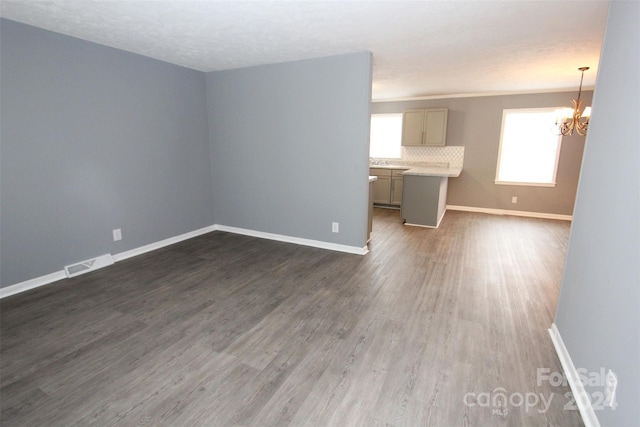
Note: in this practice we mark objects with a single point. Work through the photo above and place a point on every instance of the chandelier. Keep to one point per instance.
(570, 119)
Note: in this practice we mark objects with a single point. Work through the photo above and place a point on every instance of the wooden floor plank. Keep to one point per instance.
(232, 330)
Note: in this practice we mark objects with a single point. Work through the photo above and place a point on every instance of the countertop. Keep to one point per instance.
(434, 171)
(389, 166)
(422, 170)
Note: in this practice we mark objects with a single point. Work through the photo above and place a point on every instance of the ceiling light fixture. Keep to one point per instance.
(568, 119)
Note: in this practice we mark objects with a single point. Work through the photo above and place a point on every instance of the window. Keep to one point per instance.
(386, 136)
(529, 151)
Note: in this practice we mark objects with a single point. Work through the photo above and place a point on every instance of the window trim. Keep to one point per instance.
(553, 182)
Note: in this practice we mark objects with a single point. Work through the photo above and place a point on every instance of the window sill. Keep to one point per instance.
(527, 184)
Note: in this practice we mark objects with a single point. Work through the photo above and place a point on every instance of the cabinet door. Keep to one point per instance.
(396, 191)
(382, 190)
(435, 129)
(412, 127)
(370, 215)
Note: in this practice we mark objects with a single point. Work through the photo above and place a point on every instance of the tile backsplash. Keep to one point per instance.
(454, 155)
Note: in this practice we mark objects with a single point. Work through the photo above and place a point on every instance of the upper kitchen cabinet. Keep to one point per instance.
(424, 127)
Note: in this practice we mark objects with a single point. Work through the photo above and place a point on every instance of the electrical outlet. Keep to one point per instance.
(117, 234)
(611, 382)
(335, 227)
(514, 199)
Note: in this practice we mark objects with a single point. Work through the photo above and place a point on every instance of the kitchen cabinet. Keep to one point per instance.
(396, 187)
(387, 189)
(424, 127)
(381, 186)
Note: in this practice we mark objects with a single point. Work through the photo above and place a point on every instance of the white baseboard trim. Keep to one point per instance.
(577, 388)
(59, 275)
(32, 283)
(510, 212)
(410, 224)
(162, 243)
(296, 240)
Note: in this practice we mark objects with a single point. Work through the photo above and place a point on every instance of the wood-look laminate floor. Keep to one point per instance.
(431, 328)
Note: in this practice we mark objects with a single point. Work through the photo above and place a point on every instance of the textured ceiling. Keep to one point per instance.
(420, 48)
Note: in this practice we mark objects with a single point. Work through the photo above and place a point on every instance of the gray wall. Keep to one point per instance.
(94, 139)
(289, 147)
(598, 313)
(475, 123)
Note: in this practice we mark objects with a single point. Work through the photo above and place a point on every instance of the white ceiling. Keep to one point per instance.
(420, 48)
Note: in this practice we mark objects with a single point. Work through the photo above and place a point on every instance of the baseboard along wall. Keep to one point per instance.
(493, 211)
(573, 378)
(61, 274)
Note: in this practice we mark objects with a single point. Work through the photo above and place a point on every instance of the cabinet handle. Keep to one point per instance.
(422, 137)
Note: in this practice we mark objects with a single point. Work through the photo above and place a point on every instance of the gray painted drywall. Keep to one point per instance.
(598, 312)
(475, 123)
(93, 139)
(289, 147)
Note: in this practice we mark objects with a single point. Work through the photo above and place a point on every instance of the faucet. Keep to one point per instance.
(375, 162)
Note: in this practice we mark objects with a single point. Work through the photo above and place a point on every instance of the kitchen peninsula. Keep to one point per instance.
(424, 194)
(418, 188)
